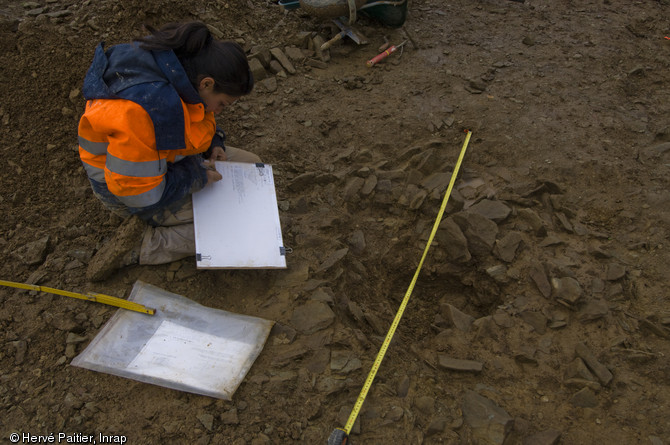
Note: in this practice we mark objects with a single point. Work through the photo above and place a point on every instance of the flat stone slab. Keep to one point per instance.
(455, 364)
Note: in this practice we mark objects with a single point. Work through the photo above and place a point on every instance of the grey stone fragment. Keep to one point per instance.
(316, 64)
(603, 374)
(615, 271)
(576, 369)
(534, 221)
(257, 70)
(436, 182)
(318, 362)
(269, 84)
(655, 154)
(207, 420)
(351, 189)
(655, 328)
(460, 320)
(567, 289)
(436, 426)
(593, 310)
(565, 222)
(583, 383)
(493, 210)
(480, 232)
(35, 12)
(379, 326)
(301, 39)
(498, 273)
(287, 354)
(340, 359)
(548, 437)
(536, 319)
(507, 246)
(539, 277)
(425, 404)
(369, 186)
(403, 387)
(230, 417)
(489, 422)
(279, 55)
(551, 240)
(294, 54)
(302, 182)
(20, 346)
(59, 14)
(356, 311)
(332, 259)
(324, 295)
(357, 242)
(454, 364)
(275, 67)
(312, 317)
(395, 413)
(33, 252)
(83, 255)
(453, 241)
(584, 398)
(73, 338)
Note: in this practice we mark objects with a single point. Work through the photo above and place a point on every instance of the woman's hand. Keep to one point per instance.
(218, 154)
(212, 174)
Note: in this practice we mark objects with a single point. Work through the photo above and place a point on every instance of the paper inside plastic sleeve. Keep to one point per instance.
(184, 346)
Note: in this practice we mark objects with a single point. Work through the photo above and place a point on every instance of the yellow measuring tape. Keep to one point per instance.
(389, 336)
(91, 296)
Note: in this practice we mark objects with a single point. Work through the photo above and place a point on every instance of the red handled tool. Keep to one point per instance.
(379, 57)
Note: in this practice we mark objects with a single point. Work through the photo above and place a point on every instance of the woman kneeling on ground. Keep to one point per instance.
(148, 137)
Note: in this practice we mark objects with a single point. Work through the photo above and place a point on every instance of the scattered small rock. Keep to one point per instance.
(488, 421)
(33, 252)
(207, 420)
(312, 317)
(460, 320)
(333, 259)
(507, 246)
(603, 374)
(584, 398)
(493, 210)
(567, 289)
(454, 364)
(539, 277)
(615, 271)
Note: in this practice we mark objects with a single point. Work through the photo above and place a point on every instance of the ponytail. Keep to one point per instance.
(202, 56)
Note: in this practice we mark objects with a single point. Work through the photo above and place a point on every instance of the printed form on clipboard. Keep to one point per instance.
(236, 220)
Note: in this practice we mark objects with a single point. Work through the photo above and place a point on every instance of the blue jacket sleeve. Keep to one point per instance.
(218, 140)
(182, 178)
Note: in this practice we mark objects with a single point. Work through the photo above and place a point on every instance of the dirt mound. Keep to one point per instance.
(540, 314)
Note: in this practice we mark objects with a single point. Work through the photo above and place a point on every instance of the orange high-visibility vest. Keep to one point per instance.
(117, 145)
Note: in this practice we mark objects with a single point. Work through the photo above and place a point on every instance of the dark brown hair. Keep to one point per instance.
(203, 56)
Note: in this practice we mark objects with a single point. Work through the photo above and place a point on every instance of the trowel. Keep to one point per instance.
(345, 30)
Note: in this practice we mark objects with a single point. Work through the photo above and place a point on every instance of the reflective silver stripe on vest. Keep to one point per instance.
(94, 173)
(143, 169)
(94, 148)
(144, 199)
(178, 158)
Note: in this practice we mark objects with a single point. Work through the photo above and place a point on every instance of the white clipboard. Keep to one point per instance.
(236, 220)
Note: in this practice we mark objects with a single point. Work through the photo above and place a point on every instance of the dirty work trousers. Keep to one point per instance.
(174, 239)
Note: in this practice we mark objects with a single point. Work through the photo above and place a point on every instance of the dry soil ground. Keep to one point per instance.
(549, 273)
